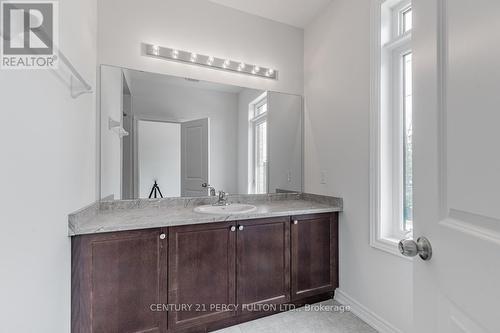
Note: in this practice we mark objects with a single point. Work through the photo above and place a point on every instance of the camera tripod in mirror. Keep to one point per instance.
(155, 191)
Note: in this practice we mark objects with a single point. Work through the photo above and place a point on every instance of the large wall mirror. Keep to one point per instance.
(181, 133)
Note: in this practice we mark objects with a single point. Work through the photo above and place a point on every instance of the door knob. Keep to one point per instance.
(163, 236)
(240, 227)
(233, 228)
(295, 222)
(410, 248)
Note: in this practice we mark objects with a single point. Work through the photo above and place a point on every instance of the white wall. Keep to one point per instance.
(159, 157)
(47, 171)
(127, 169)
(337, 84)
(178, 103)
(285, 142)
(202, 27)
(111, 143)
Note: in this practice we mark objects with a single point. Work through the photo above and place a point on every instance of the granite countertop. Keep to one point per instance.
(109, 216)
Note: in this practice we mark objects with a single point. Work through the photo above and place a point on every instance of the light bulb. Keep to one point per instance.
(175, 54)
(194, 56)
(241, 67)
(156, 49)
(210, 61)
(225, 64)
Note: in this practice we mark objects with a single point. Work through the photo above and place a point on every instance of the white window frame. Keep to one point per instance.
(388, 45)
(254, 121)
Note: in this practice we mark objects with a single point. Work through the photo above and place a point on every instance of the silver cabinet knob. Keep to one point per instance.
(240, 227)
(233, 228)
(410, 248)
(295, 222)
(163, 236)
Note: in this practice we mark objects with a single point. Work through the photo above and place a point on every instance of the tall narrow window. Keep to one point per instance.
(258, 120)
(392, 126)
(407, 144)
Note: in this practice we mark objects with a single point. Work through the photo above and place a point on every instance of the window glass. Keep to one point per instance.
(261, 157)
(260, 108)
(407, 20)
(408, 144)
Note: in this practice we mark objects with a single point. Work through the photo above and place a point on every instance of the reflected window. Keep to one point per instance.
(258, 127)
(406, 20)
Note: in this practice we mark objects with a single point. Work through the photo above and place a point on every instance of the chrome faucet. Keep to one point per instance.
(210, 187)
(222, 199)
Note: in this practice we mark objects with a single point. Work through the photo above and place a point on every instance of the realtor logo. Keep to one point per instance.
(30, 34)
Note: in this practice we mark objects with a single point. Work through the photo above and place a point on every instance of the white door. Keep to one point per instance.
(456, 52)
(194, 157)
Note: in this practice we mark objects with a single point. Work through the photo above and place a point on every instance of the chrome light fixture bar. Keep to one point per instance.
(210, 61)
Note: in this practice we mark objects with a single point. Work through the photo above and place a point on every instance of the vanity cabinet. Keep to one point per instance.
(314, 254)
(196, 278)
(225, 264)
(116, 277)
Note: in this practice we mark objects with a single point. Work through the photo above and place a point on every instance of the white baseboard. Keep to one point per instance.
(365, 314)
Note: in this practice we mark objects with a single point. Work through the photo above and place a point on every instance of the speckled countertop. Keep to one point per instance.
(108, 216)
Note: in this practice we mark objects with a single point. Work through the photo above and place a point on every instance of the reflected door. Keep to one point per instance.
(194, 157)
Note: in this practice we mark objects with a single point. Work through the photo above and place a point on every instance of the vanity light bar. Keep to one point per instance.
(210, 61)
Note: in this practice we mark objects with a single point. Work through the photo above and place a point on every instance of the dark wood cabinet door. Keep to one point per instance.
(202, 274)
(314, 254)
(117, 278)
(263, 261)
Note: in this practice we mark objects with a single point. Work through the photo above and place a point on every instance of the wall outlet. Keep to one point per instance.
(322, 177)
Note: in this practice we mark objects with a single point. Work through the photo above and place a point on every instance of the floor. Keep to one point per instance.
(328, 319)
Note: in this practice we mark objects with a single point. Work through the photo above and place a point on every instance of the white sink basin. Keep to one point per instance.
(225, 210)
